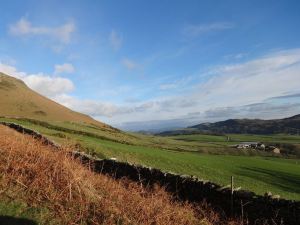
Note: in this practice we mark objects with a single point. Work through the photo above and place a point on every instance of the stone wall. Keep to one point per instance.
(245, 204)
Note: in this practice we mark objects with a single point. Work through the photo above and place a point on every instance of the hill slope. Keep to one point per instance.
(289, 125)
(17, 100)
(50, 187)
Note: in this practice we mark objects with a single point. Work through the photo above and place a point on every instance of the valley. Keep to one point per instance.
(206, 156)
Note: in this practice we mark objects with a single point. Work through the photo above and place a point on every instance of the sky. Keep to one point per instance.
(154, 65)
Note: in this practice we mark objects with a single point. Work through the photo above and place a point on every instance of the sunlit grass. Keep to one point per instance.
(205, 156)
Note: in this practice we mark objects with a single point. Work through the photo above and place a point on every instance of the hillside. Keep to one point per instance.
(289, 125)
(42, 186)
(17, 100)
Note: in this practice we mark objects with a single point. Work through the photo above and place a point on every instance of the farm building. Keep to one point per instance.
(248, 145)
(257, 146)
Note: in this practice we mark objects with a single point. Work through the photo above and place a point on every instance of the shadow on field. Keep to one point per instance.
(9, 220)
(285, 181)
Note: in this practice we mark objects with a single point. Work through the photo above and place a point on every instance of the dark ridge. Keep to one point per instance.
(289, 125)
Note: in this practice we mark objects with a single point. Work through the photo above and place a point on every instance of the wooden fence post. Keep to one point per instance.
(231, 196)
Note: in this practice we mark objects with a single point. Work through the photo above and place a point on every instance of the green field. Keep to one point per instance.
(289, 144)
(205, 156)
(236, 138)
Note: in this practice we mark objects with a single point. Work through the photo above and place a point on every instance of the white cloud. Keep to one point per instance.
(236, 56)
(64, 68)
(177, 84)
(91, 107)
(23, 27)
(165, 87)
(10, 70)
(44, 84)
(47, 85)
(129, 64)
(115, 40)
(254, 81)
(194, 30)
(240, 55)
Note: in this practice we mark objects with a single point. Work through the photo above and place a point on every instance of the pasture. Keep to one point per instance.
(229, 139)
(208, 157)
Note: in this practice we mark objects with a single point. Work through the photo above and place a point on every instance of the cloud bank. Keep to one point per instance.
(50, 86)
(255, 89)
(129, 64)
(64, 68)
(115, 40)
(23, 27)
(195, 30)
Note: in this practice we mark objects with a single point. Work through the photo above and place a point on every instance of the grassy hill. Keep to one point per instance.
(17, 100)
(289, 125)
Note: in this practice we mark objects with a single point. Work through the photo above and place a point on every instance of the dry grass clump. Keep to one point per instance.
(72, 194)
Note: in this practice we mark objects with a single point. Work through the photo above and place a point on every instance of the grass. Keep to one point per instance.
(17, 100)
(259, 174)
(288, 144)
(42, 186)
(236, 138)
(256, 173)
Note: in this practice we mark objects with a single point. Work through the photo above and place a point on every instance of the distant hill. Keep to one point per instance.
(17, 100)
(289, 125)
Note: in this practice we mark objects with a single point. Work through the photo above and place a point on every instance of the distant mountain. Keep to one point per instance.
(17, 100)
(289, 125)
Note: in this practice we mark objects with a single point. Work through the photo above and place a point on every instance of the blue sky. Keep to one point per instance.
(157, 64)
